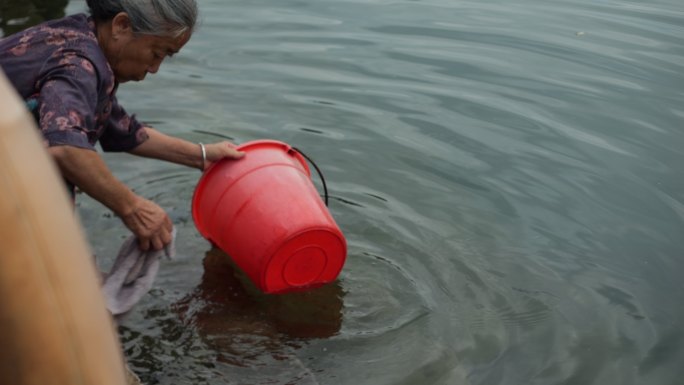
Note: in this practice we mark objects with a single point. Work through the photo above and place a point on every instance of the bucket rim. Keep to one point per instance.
(246, 147)
(261, 142)
(252, 144)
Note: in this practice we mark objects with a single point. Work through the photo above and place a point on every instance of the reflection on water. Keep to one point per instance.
(226, 303)
(16, 15)
(228, 327)
(247, 329)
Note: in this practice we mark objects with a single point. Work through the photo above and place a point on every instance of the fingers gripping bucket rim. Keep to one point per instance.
(265, 213)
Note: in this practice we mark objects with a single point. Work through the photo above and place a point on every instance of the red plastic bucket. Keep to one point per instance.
(264, 211)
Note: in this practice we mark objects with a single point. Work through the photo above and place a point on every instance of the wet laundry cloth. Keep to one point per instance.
(132, 275)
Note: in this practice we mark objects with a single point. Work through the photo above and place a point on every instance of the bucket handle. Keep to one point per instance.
(318, 170)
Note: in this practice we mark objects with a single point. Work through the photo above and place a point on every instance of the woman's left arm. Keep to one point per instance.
(180, 151)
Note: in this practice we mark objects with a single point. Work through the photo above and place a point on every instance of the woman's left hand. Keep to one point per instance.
(171, 149)
(221, 150)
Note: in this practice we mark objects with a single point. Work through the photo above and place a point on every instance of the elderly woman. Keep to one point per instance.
(69, 70)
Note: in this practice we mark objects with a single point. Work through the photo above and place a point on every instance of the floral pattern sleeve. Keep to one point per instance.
(122, 132)
(67, 102)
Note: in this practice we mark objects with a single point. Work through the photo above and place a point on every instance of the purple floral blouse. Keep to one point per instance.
(60, 65)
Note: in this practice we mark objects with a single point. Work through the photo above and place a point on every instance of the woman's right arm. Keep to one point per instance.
(68, 101)
(86, 169)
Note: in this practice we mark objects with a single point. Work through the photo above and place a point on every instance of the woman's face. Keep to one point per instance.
(133, 56)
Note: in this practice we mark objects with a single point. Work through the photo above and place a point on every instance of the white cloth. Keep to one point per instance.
(132, 274)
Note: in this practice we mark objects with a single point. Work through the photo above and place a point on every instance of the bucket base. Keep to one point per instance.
(310, 259)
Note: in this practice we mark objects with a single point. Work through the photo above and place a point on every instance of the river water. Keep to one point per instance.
(508, 176)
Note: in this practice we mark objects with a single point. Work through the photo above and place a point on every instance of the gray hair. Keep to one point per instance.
(149, 17)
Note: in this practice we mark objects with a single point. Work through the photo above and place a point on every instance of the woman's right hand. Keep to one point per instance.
(87, 170)
(149, 223)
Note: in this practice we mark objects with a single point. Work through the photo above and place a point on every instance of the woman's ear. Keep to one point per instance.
(121, 26)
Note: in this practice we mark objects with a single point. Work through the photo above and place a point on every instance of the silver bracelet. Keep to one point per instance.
(204, 156)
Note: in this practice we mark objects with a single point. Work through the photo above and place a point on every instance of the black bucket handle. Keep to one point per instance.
(318, 170)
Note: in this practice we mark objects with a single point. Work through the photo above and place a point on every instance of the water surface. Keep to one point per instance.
(508, 177)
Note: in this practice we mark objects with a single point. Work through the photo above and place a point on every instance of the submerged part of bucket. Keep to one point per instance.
(264, 211)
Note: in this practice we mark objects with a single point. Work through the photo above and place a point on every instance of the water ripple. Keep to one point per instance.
(505, 174)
